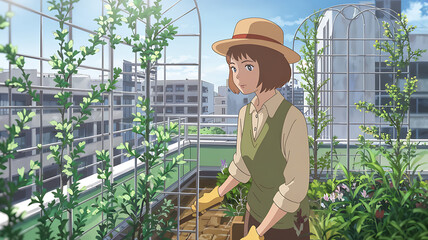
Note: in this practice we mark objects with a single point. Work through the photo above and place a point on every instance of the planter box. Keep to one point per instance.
(237, 228)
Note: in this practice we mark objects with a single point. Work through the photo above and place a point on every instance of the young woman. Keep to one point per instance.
(272, 141)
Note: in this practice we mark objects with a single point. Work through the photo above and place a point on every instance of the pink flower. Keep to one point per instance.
(337, 189)
(345, 187)
(354, 185)
(332, 197)
(364, 193)
(326, 197)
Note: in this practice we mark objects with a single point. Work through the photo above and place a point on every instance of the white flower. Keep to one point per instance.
(340, 197)
(332, 197)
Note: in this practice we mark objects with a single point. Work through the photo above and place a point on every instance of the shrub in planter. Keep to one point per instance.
(391, 211)
(235, 201)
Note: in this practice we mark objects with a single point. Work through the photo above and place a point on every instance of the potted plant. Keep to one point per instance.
(235, 202)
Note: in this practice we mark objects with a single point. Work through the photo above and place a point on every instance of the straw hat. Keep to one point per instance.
(257, 31)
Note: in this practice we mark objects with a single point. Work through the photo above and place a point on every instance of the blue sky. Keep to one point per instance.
(218, 21)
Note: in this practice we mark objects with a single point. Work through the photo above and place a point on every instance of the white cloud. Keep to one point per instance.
(282, 23)
(417, 16)
(289, 37)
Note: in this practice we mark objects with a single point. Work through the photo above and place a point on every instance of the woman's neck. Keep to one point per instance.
(262, 97)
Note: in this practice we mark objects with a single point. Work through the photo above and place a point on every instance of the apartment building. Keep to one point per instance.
(358, 72)
(179, 98)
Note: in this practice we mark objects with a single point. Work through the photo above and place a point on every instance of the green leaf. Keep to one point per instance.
(70, 44)
(70, 191)
(68, 159)
(21, 172)
(9, 14)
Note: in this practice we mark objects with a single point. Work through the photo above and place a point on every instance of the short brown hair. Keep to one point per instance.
(275, 70)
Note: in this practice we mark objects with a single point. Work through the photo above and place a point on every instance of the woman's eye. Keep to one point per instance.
(233, 69)
(249, 67)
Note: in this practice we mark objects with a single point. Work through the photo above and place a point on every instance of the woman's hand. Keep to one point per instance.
(207, 200)
(253, 235)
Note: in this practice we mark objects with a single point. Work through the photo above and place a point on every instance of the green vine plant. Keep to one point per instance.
(136, 202)
(66, 62)
(109, 202)
(399, 49)
(144, 225)
(320, 119)
(8, 146)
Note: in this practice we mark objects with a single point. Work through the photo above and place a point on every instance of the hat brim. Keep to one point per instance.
(221, 47)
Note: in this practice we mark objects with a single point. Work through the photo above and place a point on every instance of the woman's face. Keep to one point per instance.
(246, 74)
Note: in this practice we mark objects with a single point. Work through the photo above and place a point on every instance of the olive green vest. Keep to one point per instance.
(266, 163)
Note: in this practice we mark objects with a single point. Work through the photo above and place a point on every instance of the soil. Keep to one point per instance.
(213, 225)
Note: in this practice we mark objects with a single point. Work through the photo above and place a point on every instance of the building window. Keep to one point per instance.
(179, 110)
(422, 133)
(245, 100)
(192, 99)
(179, 88)
(223, 119)
(423, 105)
(192, 110)
(143, 88)
(204, 89)
(192, 88)
(160, 89)
(204, 99)
(223, 102)
(4, 101)
(223, 111)
(422, 70)
(159, 98)
(169, 98)
(169, 88)
(168, 110)
(179, 99)
(204, 109)
(159, 109)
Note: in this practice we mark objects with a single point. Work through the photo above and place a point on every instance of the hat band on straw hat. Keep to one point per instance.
(255, 36)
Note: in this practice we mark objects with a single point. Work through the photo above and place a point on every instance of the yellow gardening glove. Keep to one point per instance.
(207, 200)
(253, 235)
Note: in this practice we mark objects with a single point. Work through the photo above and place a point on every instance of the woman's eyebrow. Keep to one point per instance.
(247, 61)
(231, 63)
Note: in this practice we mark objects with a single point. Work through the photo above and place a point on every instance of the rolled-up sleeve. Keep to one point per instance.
(237, 167)
(295, 148)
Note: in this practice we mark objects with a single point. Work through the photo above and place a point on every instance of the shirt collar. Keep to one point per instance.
(271, 104)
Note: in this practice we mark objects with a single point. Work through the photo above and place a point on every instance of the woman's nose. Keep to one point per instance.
(238, 75)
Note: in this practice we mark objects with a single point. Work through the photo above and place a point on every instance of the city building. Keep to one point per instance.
(357, 71)
(179, 98)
